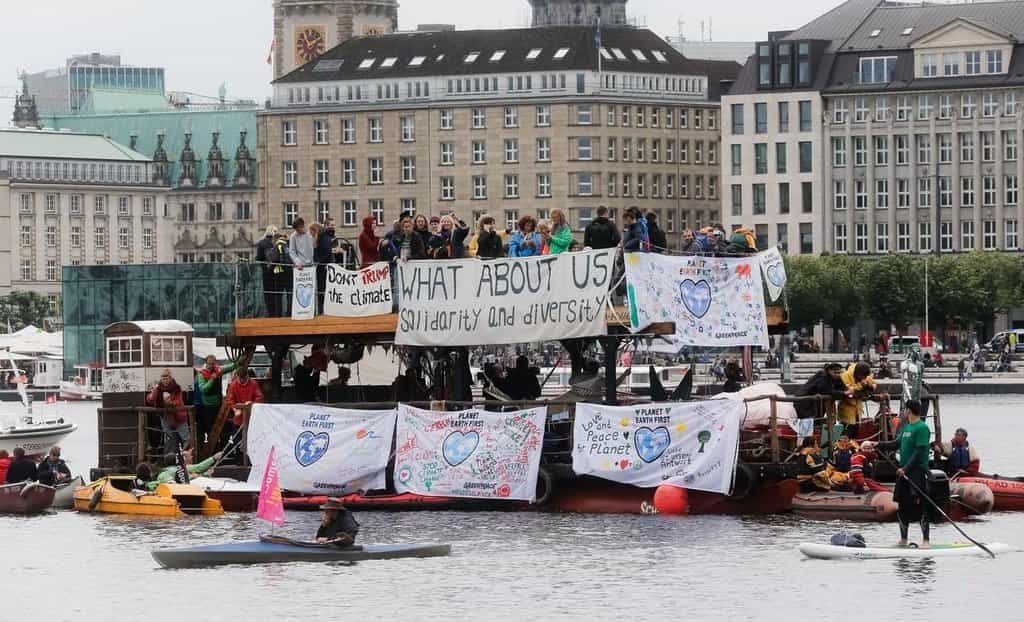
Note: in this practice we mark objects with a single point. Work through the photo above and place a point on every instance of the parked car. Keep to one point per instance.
(998, 343)
(901, 345)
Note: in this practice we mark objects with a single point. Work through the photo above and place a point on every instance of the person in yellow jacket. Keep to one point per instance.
(859, 385)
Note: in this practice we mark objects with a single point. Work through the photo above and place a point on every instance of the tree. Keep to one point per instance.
(804, 282)
(894, 287)
(21, 309)
(824, 289)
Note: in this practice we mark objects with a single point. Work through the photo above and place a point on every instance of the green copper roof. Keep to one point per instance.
(64, 145)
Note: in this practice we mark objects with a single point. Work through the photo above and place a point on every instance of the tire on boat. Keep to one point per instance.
(545, 486)
(97, 496)
(744, 482)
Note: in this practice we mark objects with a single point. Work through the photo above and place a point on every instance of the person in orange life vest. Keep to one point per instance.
(961, 455)
(864, 457)
(243, 391)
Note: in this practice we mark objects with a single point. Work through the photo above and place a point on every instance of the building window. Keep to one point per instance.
(407, 127)
(924, 236)
(447, 154)
(291, 173)
(585, 184)
(946, 236)
(806, 237)
(761, 159)
(1010, 104)
(840, 112)
(243, 211)
(543, 150)
(377, 211)
(877, 70)
(902, 149)
(759, 199)
(544, 185)
(320, 134)
(1010, 230)
(950, 64)
(167, 350)
(512, 150)
(924, 107)
(641, 189)
(860, 237)
(124, 351)
(408, 169)
(100, 237)
(511, 219)
(348, 131)
(447, 188)
(945, 148)
(903, 237)
(839, 152)
(881, 109)
(966, 192)
(881, 193)
(805, 157)
(479, 119)
(924, 192)
(839, 194)
(214, 211)
(585, 114)
(882, 237)
(946, 191)
(972, 63)
(447, 119)
(903, 193)
(807, 197)
(860, 151)
(860, 194)
(760, 118)
(376, 170)
(736, 192)
(737, 120)
(123, 238)
(544, 116)
(479, 152)
(348, 172)
(1012, 188)
(882, 150)
(584, 149)
(988, 233)
(348, 213)
(147, 238)
(966, 146)
(737, 158)
(929, 65)
(291, 213)
(839, 237)
(376, 125)
(322, 173)
(641, 149)
(966, 235)
(479, 187)
(511, 186)
(903, 108)
(860, 110)
(780, 158)
(784, 198)
(988, 191)
(968, 104)
(289, 133)
(805, 115)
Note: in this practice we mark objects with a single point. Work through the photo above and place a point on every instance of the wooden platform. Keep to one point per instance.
(375, 329)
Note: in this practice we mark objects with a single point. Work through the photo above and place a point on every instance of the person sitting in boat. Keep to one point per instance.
(859, 385)
(960, 455)
(863, 459)
(22, 468)
(338, 526)
(143, 476)
(842, 456)
(52, 470)
(167, 395)
(166, 475)
(813, 475)
(5, 464)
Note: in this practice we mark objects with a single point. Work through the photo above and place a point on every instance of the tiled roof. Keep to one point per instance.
(838, 24)
(64, 145)
(893, 19)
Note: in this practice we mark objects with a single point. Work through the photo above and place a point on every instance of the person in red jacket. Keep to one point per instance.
(369, 243)
(5, 463)
(243, 391)
(167, 394)
(863, 457)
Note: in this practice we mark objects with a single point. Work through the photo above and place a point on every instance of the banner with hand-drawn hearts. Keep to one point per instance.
(303, 293)
(321, 451)
(774, 270)
(690, 445)
(713, 301)
(469, 453)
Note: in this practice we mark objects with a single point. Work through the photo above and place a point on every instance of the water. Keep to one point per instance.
(520, 566)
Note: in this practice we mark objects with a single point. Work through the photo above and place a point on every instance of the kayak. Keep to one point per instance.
(279, 551)
(958, 549)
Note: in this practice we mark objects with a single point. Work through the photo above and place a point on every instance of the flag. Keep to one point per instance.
(270, 55)
(270, 507)
(597, 35)
(684, 389)
(658, 393)
(181, 470)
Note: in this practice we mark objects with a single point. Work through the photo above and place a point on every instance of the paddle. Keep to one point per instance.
(230, 448)
(936, 506)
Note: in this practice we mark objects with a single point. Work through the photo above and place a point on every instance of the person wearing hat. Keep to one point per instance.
(262, 257)
(864, 457)
(337, 526)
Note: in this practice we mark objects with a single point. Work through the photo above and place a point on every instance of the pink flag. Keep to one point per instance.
(271, 507)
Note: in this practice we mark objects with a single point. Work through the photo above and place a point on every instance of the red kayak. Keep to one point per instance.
(1008, 491)
(406, 502)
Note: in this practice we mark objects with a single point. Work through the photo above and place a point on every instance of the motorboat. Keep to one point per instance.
(86, 385)
(25, 498)
(35, 435)
(115, 494)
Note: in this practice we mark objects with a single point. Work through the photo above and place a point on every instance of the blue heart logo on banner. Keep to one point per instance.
(304, 294)
(459, 446)
(311, 447)
(650, 444)
(775, 276)
(696, 297)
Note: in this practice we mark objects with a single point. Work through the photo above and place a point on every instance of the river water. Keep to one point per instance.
(517, 566)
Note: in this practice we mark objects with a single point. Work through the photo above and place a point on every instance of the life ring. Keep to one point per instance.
(94, 500)
(744, 482)
(545, 486)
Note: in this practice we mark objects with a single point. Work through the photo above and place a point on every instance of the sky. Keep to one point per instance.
(204, 43)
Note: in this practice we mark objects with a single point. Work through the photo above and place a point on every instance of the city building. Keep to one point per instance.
(305, 29)
(505, 122)
(86, 78)
(735, 51)
(881, 127)
(578, 12)
(74, 199)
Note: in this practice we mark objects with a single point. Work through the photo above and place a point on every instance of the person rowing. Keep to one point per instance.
(338, 526)
(913, 445)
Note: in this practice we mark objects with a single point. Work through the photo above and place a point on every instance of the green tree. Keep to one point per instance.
(825, 289)
(21, 309)
(804, 281)
(894, 287)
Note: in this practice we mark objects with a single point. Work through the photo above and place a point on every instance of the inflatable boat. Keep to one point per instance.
(869, 507)
(1007, 492)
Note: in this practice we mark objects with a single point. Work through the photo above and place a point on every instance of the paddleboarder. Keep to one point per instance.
(338, 526)
(912, 480)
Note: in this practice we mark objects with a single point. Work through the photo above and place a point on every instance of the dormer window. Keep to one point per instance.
(659, 56)
(471, 58)
(972, 63)
(907, 31)
(388, 62)
(534, 53)
(498, 55)
(605, 54)
(639, 56)
(877, 70)
(417, 61)
(367, 63)
(618, 54)
(560, 53)
(995, 61)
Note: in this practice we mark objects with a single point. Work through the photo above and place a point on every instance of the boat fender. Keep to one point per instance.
(97, 496)
(744, 482)
(545, 486)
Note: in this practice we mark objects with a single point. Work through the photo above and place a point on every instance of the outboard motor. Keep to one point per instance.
(938, 486)
(852, 540)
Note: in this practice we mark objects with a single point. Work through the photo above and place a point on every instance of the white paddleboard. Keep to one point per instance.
(958, 549)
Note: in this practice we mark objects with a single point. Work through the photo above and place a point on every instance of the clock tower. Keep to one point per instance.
(305, 29)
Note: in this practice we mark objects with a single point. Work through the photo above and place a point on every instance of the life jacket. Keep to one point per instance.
(813, 461)
(842, 458)
(960, 457)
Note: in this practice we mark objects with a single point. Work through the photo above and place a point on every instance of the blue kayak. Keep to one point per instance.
(284, 551)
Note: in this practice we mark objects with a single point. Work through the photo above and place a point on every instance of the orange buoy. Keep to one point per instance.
(671, 500)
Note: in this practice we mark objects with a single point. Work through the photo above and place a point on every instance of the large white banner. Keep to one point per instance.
(358, 293)
(713, 301)
(469, 453)
(774, 270)
(466, 302)
(692, 445)
(324, 451)
(304, 293)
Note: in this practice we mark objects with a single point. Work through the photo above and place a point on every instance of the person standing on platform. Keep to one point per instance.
(263, 248)
(211, 389)
(242, 392)
(281, 265)
(601, 233)
(167, 395)
(659, 241)
(323, 254)
(489, 244)
(369, 243)
(561, 233)
(300, 245)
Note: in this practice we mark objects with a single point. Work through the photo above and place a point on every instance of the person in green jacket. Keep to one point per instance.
(210, 390)
(166, 475)
(561, 233)
(913, 442)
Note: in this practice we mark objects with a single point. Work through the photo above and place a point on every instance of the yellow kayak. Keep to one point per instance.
(114, 495)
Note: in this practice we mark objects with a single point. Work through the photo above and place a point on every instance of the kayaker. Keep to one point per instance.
(859, 385)
(337, 526)
(960, 455)
(52, 470)
(166, 475)
(22, 468)
(913, 443)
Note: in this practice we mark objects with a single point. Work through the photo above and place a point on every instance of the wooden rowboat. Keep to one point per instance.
(25, 498)
(114, 495)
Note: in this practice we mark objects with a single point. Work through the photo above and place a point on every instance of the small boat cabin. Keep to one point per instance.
(135, 353)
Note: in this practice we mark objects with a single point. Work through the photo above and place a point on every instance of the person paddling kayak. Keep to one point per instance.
(913, 443)
(338, 526)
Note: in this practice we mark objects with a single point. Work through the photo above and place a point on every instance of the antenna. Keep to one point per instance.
(709, 29)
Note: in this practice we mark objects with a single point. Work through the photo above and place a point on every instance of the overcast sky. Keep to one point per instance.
(203, 43)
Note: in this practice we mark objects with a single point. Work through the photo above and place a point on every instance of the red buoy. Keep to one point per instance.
(671, 500)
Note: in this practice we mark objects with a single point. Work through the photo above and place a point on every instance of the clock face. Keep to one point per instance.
(309, 43)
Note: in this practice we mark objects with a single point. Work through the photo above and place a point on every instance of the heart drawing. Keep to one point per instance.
(650, 444)
(304, 295)
(459, 446)
(776, 276)
(696, 297)
(311, 447)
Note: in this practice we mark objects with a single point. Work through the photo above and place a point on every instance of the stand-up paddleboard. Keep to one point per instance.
(958, 549)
